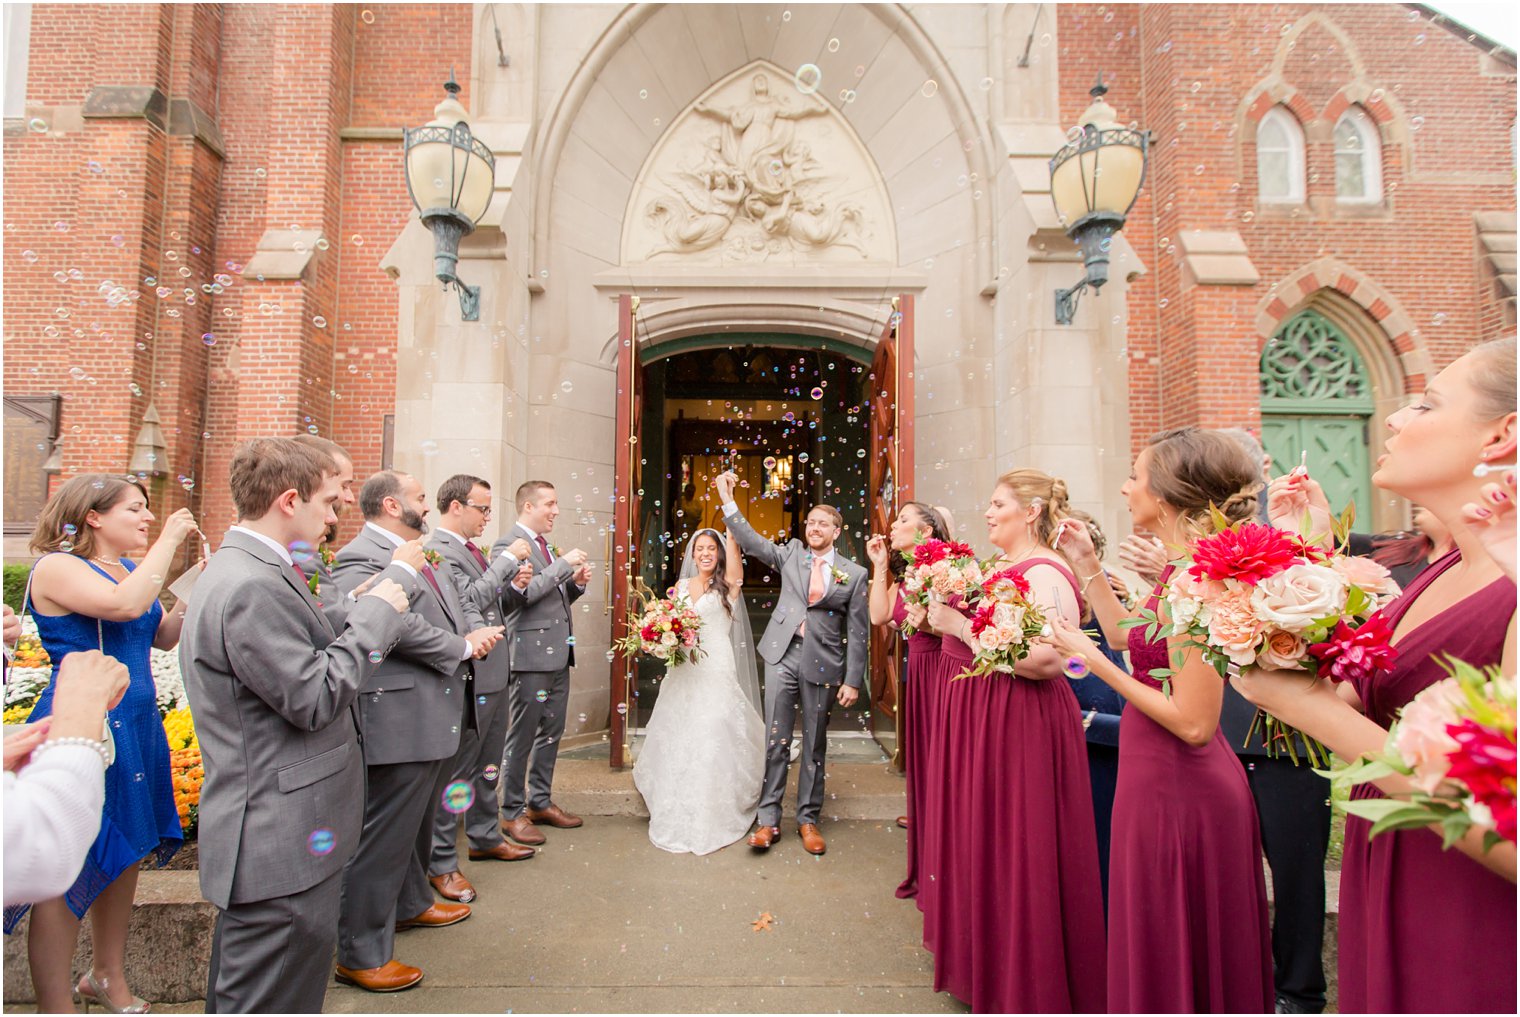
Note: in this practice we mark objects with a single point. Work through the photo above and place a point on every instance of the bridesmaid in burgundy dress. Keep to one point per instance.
(1422, 929)
(1187, 906)
(1017, 921)
(922, 716)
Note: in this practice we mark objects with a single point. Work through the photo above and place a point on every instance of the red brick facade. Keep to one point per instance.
(251, 118)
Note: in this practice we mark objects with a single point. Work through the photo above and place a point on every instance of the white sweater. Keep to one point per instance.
(52, 814)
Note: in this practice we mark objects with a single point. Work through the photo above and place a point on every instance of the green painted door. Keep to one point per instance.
(1315, 398)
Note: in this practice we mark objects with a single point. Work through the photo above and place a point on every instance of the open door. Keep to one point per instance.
(890, 484)
(623, 539)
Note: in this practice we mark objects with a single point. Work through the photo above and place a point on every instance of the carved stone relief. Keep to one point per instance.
(759, 170)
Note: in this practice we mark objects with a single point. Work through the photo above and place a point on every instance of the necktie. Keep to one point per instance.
(470, 544)
(543, 545)
(815, 589)
(301, 577)
(427, 573)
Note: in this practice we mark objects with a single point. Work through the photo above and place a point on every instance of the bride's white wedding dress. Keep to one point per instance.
(703, 757)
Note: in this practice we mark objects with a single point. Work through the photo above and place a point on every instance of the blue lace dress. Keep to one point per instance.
(140, 816)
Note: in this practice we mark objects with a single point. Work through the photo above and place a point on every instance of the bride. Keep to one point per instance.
(703, 757)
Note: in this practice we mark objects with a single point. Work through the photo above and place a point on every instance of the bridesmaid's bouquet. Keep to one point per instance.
(1252, 595)
(1455, 741)
(665, 628)
(1005, 624)
(944, 568)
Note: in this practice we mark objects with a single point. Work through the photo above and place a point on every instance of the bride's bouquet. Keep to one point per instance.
(1005, 624)
(1252, 595)
(1456, 743)
(666, 628)
(946, 568)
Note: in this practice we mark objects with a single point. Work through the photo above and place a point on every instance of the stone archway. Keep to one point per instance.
(1383, 335)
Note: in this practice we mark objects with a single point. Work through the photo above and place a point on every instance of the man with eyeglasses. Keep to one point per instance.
(465, 504)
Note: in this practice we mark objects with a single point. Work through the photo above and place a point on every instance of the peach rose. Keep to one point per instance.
(1299, 596)
(1233, 626)
(1282, 650)
(987, 639)
(1421, 739)
(1366, 573)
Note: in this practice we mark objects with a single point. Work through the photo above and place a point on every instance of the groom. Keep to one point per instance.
(816, 640)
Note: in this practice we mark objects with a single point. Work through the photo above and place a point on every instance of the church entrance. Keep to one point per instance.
(802, 420)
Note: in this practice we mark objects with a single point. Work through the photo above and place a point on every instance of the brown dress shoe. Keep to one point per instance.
(436, 917)
(454, 886)
(812, 840)
(506, 851)
(902, 821)
(764, 837)
(521, 830)
(392, 976)
(554, 816)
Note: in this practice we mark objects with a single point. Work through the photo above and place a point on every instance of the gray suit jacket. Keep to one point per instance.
(272, 690)
(413, 704)
(540, 628)
(483, 590)
(838, 626)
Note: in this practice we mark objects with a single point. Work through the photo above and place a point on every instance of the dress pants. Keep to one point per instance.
(386, 879)
(533, 737)
(784, 689)
(479, 747)
(1292, 803)
(275, 956)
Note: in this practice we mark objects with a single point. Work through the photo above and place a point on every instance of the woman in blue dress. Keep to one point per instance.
(85, 595)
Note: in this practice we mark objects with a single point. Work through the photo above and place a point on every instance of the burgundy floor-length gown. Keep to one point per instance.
(923, 720)
(1422, 929)
(1016, 923)
(1187, 902)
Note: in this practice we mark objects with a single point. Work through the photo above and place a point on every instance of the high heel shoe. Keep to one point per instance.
(96, 994)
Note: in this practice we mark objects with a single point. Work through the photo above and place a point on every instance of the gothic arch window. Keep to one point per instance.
(1358, 158)
(1280, 157)
(1316, 400)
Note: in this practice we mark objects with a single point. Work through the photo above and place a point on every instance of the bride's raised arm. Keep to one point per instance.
(733, 565)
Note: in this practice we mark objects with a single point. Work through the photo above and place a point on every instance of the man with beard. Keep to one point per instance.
(315, 563)
(413, 711)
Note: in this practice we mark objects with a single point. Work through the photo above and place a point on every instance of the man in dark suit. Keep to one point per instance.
(464, 507)
(273, 691)
(413, 710)
(543, 651)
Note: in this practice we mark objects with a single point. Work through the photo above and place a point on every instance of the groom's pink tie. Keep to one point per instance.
(815, 590)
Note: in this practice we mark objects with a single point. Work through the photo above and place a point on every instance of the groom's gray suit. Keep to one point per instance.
(273, 690)
(806, 668)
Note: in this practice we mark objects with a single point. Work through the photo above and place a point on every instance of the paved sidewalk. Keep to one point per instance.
(603, 921)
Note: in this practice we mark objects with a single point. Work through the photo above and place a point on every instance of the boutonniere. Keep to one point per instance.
(329, 557)
(554, 550)
(314, 583)
(840, 579)
(432, 557)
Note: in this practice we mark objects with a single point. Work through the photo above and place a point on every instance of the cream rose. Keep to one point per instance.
(668, 638)
(1234, 628)
(1299, 596)
(987, 639)
(1282, 650)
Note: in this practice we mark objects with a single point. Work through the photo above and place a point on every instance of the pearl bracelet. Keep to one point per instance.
(91, 743)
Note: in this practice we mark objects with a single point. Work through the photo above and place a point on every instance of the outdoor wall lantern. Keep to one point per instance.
(450, 176)
(1094, 181)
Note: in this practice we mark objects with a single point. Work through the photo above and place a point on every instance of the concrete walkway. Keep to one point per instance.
(602, 920)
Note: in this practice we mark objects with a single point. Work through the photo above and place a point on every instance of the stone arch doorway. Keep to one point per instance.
(1317, 401)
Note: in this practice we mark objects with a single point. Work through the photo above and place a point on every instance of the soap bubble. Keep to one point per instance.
(490, 772)
(321, 842)
(1075, 666)
(808, 78)
(817, 392)
(375, 656)
(542, 695)
(458, 797)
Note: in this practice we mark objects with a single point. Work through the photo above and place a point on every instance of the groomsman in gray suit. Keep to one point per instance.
(413, 710)
(816, 641)
(464, 508)
(273, 690)
(543, 651)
